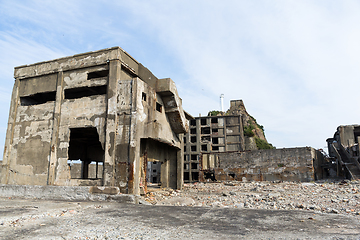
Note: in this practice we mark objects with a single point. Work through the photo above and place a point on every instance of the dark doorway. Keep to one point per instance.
(86, 151)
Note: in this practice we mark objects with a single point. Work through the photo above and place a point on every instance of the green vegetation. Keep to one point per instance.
(248, 130)
(214, 113)
(259, 126)
(262, 144)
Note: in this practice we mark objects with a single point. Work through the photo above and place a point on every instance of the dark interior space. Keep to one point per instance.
(85, 146)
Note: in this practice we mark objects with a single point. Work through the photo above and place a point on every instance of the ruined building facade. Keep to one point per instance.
(344, 153)
(98, 118)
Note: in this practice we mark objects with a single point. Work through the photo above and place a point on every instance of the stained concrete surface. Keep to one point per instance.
(40, 219)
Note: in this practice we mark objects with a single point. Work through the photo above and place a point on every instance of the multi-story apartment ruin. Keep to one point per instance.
(98, 118)
(210, 134)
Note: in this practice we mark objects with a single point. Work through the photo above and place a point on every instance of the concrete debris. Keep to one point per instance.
(325, 197)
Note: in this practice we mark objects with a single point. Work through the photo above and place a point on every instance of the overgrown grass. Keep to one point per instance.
(262, 144)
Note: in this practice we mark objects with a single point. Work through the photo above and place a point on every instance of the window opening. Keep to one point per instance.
(193, 139)
(74, 93)
(215, 148)
(215, 130)
(186, 166)
(205, 139)
(194, 157)
(186, 176)
(194, 166)
(193, 148)
(184, 148)
(215, 140)
(85, 153)
(98, 74)
(214, 120)
(38, 98)
(143, 97)
(195, 176)
(203, 121)
(205, 130)
(158, 107)
(204, 148)
(192, 130)
(193, 122)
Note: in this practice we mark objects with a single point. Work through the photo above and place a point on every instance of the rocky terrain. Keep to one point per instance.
(326, 197)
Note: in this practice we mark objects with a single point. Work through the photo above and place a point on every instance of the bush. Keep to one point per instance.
(213, 113)
(248, 130)
(262, 144)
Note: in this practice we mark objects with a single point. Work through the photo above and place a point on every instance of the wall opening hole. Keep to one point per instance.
(193, 157)
(215, 140)
(214, 120)
(193, 148)
(215, 148)
(153, 172)
(98, 74)
(194, 166)
(209, 175)
(184, 148)
(203, 121)
(143, 96)
(205, 130)
(85, 153)
(204, 148)
(38, 98)
(232, 175)
(193, 122)
(186, 166)
(186, 176)
(74, 93)
(192, 130)
(205, 139)
(193, 139)
(195, 176)
(158, 107)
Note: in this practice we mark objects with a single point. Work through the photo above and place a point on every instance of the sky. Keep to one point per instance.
(295, 64)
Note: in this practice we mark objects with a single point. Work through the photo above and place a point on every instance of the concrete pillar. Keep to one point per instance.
(55, 131)
(111, 119)
(180, 164)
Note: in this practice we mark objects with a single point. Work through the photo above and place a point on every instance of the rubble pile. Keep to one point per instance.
(327, 197)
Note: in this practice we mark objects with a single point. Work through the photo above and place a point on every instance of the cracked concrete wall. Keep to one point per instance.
(288, 164)
(120, 101)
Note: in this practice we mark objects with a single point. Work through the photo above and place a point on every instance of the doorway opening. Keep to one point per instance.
(85, 153)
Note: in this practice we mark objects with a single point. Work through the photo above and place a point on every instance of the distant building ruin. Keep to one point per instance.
(344, 155)
(94, 119)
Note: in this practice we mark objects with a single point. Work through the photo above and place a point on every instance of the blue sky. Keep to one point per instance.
(295, 64)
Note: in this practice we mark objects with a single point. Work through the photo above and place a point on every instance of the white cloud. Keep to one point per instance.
(294, 63)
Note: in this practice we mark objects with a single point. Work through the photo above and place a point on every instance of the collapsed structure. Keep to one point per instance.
(344, 154)
(94, 119)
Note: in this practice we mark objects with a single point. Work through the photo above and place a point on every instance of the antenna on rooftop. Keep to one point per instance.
(222, 102)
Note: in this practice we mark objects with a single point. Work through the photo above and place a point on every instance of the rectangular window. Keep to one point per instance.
(193, 148)
(193, 122)
(98, 74)
(204, 148)
(81, 92)
(203, 121)
(143, 97)
(194, 166)
(38, 98)
(214, 120)
(205, 130)
(158, 107)
(193, 139)
(215, 141)
(193, 131)
(193, 157)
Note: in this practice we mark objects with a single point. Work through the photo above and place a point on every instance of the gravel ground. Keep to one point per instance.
(326, 197)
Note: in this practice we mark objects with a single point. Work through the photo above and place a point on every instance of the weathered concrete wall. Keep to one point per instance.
(288, 164)
(105, 98)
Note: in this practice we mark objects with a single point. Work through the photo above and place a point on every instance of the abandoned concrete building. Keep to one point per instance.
(210, 134)
(344, 155)
(94, 119)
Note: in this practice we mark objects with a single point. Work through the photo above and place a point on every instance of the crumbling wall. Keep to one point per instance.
(288, 164)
